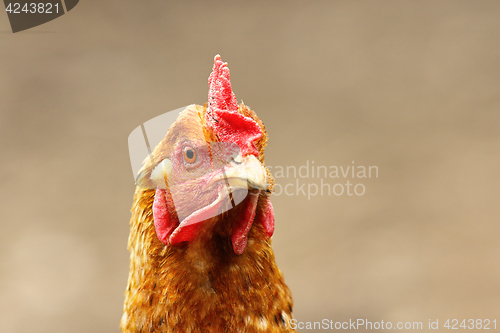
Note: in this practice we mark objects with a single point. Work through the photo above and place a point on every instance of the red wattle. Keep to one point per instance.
(239, 237)
(266, 218)
(164, 223)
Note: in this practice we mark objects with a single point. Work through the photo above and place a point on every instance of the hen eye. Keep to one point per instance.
(189, 155)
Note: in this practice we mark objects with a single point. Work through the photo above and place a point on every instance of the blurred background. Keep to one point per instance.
(409, 87)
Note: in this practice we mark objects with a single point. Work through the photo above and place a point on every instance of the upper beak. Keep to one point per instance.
(245, 172)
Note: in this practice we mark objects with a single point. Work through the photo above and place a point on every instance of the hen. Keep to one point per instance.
(201, 257)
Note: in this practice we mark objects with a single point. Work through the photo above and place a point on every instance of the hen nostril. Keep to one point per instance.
(237, 159)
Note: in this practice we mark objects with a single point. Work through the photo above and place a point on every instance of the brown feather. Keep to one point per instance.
(202, 285)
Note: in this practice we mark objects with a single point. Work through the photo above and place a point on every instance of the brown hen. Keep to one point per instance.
(201, 256)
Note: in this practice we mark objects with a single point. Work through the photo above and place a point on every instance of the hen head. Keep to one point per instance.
(208, 172)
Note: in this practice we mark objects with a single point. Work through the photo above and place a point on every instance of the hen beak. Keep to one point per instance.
(245, 173)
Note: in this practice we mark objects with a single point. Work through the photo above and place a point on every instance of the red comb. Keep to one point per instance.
(220, 94)
(222, 113)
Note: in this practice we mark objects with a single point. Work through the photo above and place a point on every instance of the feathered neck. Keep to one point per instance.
(202, 286)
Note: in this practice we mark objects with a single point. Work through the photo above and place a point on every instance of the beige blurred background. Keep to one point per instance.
(409, 87)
